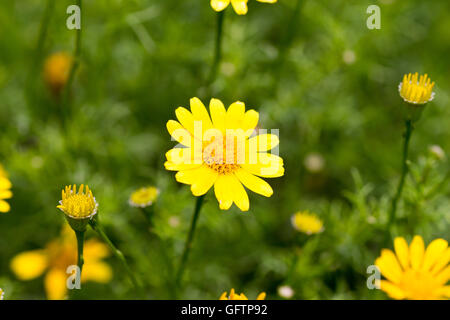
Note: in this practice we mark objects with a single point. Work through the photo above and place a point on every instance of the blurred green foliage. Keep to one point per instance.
(325, 80)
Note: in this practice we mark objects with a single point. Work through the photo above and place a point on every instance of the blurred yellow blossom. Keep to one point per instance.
(239, 6)
(5, 190)
(306, 222)
(234, 296)
(56, 71)
(2, 293)
(56, 257)
(143, 197)
(416, 272)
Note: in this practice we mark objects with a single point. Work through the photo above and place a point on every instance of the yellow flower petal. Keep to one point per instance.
(186, 119)
(254, 183)
(235, 115)
(267, 1)
(96, 271)
(240, 6)
(402, 251)
(416, 251)
(95, 250)
(267, 165)
(223, 193)
(201, 179)
(240, 196)
(4, 206)
(442, 261)
(261, 296)
(392, 290)
(200, 114)
(263, 142)
(250, 121)
(55, 284)
(434, 251)
(218, 114)
(389, 266)
(179, 133)
(29, 265)
(219, 5)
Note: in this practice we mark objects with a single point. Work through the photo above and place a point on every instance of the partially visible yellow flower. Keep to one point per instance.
(415, 272)
(143, 197)
(306, 222)
(56, 71)
(234, 296)
(5, 190)
(56, 257)
(81, 205)
(2, 293)
(220, 151)
(239, 6)
(416, 90)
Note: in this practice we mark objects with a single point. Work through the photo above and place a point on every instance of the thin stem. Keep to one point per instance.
(80, 246)
(117, 253)
(217, 47)
(74, 67)
(188, 244)
(405, 168)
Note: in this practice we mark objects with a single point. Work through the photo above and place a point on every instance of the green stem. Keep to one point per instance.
(117, 253)
(188, 244)
(80, 245)
(74, 67)
(217, 47)
(405, 168)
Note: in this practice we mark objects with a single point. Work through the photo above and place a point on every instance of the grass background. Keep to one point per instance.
(141, 59)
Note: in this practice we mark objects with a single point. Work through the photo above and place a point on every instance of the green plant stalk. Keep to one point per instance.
(217, 47)
(405, 169)
(80, 246)
(94, 223)
(73, 69)
(188, 244)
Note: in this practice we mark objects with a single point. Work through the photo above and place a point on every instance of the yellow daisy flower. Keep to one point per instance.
(81, 205)
(56, 257)
(5, 191)
(143, 197)
(2, 293)
(306, 222)
(416, 90)
(415, 272)
(234, 296)
(218, 151)
(56, 71)
(239, 6)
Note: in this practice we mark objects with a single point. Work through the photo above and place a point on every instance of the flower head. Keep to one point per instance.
(56, 257)
(2, 293)
(81, 205)
(415, 272)
(219, 152)
(239, 6)
(416, 90)
(5, 190)
(143, 197)
(56, 71)
(234, 296)
(306, 222)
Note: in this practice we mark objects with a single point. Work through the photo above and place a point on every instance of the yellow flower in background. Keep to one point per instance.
(5, 191)
(2, 293)
(81, 205)
(143, 197)
(218, 151)
(234, 296)
(415, 272)
(306, 222)
(56, 257)
(416, 90)
(239, 6)
(56, 71)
